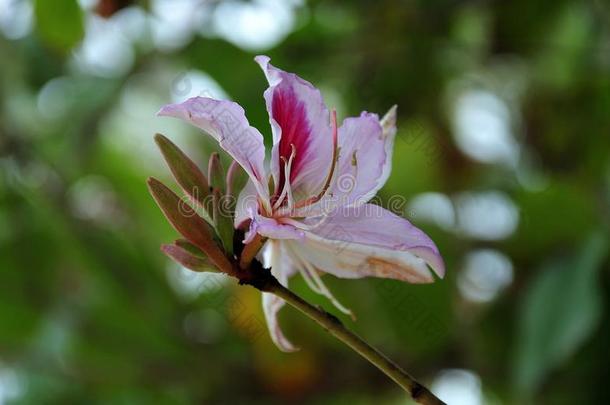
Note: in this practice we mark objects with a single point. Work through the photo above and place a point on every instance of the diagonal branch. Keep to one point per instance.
(419, 393)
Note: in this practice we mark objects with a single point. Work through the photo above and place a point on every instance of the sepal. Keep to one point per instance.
(186, 221)
(188, 255)
(188, 176)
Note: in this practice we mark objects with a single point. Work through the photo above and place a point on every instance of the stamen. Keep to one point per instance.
(264, 201)
(320, 286)
(327, 293)
(311, 200)
(287, 190)
(289, 199)
(298, 224)
(302, 269)
(295, 223)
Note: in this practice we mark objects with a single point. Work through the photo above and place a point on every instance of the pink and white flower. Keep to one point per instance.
(315, 217)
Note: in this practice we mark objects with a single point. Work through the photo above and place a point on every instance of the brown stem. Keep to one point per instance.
(332, 324)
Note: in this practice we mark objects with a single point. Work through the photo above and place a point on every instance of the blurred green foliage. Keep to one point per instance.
(561, 309)
(92, 312)
(59, 23)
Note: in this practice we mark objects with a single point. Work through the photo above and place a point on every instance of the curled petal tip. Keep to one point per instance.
(271, 306)
(263, 62)
(431, 256)
(283, 344)
(440, 269)
(289, 349)
(262, 59)
(388, 122)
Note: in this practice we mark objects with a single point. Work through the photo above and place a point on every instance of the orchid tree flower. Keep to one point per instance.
(309, 210)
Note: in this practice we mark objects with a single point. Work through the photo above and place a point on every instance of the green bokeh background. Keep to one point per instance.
(92, 312)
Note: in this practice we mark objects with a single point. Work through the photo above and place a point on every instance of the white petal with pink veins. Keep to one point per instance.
(226, 122)
(367, 240)
(282, 268)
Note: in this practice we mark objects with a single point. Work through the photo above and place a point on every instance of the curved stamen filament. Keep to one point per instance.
(310, 274)
(264, 202)
(286, 190)
(300, 225)
(314, 199)
(295, 223)
(305, 274)
(326, 292)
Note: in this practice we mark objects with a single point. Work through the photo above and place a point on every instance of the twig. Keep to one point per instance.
(332, 324)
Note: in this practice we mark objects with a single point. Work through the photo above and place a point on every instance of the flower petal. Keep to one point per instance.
(364, 163)
(298, 118)
(365, 157)
(388, 127)
(282, 268)
(247, 203)
(271, 228)
(226, 122)
(368, 240)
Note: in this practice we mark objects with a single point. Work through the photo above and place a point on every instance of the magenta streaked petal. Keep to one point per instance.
(289, 113)
(226, 122)
(298, 117)
(367, 240)
(364, 163)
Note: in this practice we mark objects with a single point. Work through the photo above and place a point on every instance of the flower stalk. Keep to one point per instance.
(335, 327)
